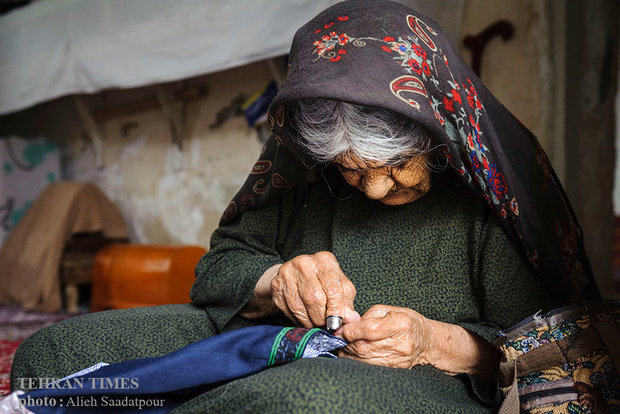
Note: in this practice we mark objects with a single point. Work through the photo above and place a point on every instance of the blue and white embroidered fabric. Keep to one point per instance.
(294, 343)
(157, 385)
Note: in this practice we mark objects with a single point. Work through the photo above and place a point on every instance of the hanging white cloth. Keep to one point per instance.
(54, 48)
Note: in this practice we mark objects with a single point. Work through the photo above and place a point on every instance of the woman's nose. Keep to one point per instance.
(376, 186)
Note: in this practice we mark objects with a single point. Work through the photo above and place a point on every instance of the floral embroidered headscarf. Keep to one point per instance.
(383, 54)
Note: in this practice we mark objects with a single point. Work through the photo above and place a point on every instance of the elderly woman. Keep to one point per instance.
(396, 193)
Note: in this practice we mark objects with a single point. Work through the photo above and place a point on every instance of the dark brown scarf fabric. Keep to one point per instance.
(382, 54)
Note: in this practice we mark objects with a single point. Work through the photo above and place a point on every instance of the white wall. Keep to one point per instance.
(169, 195)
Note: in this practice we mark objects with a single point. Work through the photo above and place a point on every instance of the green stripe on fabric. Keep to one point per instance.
(303, 342)
(276, 344)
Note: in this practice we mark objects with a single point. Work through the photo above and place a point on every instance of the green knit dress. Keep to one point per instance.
(445, 256)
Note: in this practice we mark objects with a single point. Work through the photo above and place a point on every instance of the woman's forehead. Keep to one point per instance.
(352, 161)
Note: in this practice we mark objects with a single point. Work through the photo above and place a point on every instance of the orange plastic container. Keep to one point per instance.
(134, 275)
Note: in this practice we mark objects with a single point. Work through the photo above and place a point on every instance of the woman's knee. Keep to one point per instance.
(110, 336)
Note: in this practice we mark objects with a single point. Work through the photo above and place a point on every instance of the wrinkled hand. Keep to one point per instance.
(389, 336)
(308, 288)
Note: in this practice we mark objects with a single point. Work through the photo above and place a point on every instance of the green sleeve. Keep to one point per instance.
(508, 290)
(239, 255)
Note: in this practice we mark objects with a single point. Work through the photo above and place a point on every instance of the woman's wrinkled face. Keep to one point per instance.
(391, 185)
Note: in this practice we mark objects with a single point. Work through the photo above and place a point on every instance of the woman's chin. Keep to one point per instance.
(401, 197)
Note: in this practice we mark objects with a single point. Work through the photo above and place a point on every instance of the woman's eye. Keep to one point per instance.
(349, 173)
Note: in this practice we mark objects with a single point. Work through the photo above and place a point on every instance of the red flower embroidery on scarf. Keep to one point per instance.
(497, 183)
(387, 49)
(419, 51)
(475, 162)
(388, 39)
(426, 68)
(472, 95)
(502, 212)
(325, 46)
(478, 140)
(448, 104)
(343, 18)
(514, 206)
(470, 142)
(471, 101)
(415, 66)
(456, 96)
(474, 123)
(399, 47)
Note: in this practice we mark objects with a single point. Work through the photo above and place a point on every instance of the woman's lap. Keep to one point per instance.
(339, 385)
(312, 385)
(110, 336)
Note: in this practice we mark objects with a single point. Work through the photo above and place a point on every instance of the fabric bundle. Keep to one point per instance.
(157, 385)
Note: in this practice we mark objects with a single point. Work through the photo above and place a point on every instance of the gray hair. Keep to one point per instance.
(329, 128)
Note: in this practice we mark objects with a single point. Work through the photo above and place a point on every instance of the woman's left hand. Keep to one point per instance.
(389, 336)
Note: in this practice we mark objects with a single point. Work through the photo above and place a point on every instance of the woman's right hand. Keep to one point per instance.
(308, 288)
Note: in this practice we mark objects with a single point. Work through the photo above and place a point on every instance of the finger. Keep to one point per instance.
(379, 311)
(334, 294)
(372, 329)
(368, 358)
(344, 354)
(314, 300)
(280, 301)
(332, 278)
(350, 315)
(361, 348)
(376, 360)
(296, 305)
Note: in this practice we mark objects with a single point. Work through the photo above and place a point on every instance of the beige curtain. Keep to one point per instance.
(30, 257)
